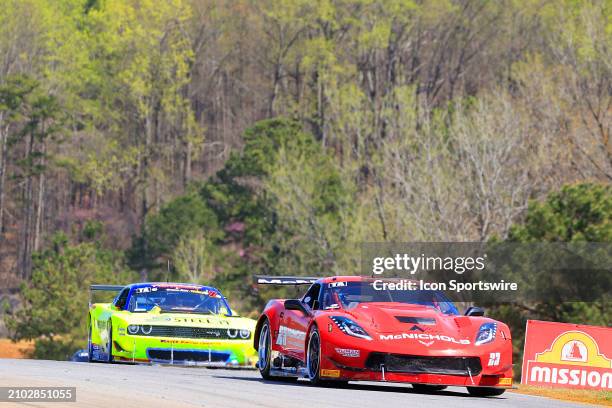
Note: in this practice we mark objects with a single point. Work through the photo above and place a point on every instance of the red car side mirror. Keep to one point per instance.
(295, 304)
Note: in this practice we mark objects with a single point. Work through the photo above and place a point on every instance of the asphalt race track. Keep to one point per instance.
(116, 385)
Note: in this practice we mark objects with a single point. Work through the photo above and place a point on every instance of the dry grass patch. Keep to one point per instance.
(21, 349)
(566, 394)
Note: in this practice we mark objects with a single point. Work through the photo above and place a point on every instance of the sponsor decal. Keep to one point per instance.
(281, 280)
(425, 337)
(415, 327)
(337, 284)
(344, 352)
(505, 381)
(330, 373)
(287, 335)
(208, 343)
(187, 320)
(146, 289)
(567, 355)
(209, 293)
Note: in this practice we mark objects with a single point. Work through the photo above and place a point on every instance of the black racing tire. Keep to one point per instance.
(313, 361)
(109, 357)
(313, 356)
(264, 351)
(485, 391)
(428, 387)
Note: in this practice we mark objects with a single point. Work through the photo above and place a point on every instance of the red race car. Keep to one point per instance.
(348, 328)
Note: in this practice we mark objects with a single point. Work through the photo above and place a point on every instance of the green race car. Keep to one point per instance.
(170, 323)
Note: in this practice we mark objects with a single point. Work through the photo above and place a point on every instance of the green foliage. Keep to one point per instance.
(579, 212)
(262, 143)
(193, 260)
(279, 205)
(180, 218)
(55, 300)
(314, 211)
(236, 193)
(13, 94)
(34, 114)
(429, 120)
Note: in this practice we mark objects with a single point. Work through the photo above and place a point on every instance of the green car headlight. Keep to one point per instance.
(232, 333)
(133, 328)
(245, 334)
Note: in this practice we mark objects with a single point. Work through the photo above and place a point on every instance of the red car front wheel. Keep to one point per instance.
(313, 356)
(264, 351)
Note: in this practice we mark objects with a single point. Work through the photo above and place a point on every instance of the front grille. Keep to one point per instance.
(400, 363)
(203, 356)
(189, 333)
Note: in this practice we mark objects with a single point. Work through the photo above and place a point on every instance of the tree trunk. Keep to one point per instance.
(41, 201)
(145, 169)
(25, 252)
(275, 86)
(3, 159)
(157, 158)
(187, 166)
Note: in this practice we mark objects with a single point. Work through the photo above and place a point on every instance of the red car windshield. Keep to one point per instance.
(349, 295)
(178, 301)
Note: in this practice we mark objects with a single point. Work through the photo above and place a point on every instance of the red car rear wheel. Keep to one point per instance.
(264, 351)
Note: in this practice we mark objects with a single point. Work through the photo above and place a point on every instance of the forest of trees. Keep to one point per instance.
(210, 140)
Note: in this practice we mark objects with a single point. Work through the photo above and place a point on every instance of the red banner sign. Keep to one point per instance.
(567, 355)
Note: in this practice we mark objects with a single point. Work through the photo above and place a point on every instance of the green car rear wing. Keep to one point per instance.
(104, 288)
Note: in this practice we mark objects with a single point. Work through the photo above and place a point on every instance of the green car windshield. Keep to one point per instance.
(178, 301)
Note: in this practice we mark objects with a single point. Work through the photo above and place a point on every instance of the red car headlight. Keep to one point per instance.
(486, 333)
(350, 327)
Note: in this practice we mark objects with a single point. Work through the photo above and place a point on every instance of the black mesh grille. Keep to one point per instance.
(189, 333)
(188, 355)
(400, 363)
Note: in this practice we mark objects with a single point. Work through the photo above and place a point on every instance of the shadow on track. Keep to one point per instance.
(392, 387)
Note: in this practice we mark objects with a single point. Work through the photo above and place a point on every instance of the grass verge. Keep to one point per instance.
(585, 396)
(21, 349)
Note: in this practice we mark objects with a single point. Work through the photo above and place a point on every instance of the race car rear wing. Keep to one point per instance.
(284, 280)
(104, 288)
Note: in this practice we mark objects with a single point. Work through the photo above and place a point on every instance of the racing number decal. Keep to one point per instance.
(494, 359)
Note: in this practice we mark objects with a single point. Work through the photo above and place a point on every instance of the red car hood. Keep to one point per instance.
(400, 321)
